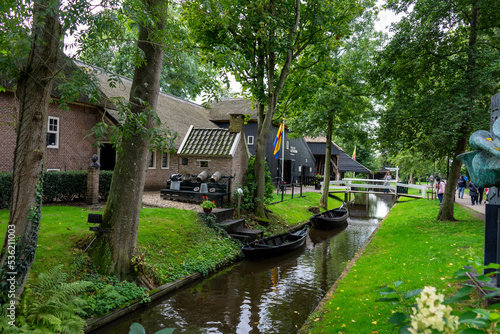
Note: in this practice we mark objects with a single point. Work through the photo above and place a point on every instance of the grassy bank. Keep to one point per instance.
(411, 246)
(173, 242)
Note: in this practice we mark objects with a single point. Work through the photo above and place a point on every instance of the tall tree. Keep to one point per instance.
(334, 93)
(258, 41)
(113, 48)
(34, 86)
(437, 74)
(112, 252)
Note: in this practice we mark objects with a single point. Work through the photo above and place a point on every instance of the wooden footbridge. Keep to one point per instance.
(371, 186)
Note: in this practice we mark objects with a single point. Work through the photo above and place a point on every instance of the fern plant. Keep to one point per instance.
(52, 306)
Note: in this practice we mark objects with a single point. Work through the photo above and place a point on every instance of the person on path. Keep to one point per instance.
(431, 179)
(440, 186)
(388, 179)
(481, 191)
(473, 192)
(461, 186)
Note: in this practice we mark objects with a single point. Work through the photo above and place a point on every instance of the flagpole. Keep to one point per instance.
(283, 151)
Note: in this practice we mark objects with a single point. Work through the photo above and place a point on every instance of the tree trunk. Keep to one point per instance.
(446, 209)
(112, 252)
(34, 91)
(326, 179)
(260, 161)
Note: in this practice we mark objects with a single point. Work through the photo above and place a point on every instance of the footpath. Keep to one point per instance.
(466, 202)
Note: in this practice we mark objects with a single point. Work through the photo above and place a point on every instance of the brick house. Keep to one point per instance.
(175, 113)
(216, 150)
(69, 146)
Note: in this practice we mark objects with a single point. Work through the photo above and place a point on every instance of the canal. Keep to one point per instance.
(268, 296)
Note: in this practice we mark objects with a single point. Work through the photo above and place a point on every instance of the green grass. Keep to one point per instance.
(61, 228)
(176, 243)
(296, 211)
(173, 241)
(411, 246)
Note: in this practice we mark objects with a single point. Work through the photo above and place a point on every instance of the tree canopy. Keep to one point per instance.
(436, 77)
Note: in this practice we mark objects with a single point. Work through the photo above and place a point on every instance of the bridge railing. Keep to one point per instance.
(347, 185)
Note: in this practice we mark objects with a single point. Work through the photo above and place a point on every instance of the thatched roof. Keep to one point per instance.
(66, 70)
(219, 111)
(175, 113)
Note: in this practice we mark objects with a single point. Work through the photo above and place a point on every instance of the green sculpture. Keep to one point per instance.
(484, 164)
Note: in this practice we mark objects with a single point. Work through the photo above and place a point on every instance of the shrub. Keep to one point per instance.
(248, 199)
(108, 293)
(59, 186)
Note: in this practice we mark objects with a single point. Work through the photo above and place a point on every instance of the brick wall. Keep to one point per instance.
(156, 178)
(74, 152)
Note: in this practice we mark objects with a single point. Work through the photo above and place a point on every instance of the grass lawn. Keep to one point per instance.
(296, 210)
(173, 241)
(411, 246)
(61, 228)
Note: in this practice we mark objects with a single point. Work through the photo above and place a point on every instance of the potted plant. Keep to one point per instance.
(317, 184)
(207, 205)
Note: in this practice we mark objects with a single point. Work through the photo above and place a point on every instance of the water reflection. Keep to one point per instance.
(268, 296)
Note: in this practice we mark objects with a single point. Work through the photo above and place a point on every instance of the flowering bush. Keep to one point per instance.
(206, 204)
(431, 314)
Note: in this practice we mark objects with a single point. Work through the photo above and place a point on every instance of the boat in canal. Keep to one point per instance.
(275, 245)
(330, 219)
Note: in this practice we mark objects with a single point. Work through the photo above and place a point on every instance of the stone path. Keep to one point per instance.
(153, 198)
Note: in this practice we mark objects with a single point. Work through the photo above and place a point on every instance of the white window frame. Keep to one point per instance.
(56, 132)
(287, 145)
(152, 156)
(53, 169)
(250, 140)
(168, 160)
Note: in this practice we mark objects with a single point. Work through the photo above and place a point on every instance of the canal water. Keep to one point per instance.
(268, 296)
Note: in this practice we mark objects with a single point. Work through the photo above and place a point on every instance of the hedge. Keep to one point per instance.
(59, 186)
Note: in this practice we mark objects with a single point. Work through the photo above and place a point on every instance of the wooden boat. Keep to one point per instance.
(331, 218)
(275, 245)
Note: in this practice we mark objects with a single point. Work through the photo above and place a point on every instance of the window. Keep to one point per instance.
(165, 160)
(250, 140)
(204, 163)
(287, 145)
(53, 169)
(152, 161)
(53, 132)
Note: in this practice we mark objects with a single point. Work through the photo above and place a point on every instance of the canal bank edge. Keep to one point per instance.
(331, 292)
(93, 324)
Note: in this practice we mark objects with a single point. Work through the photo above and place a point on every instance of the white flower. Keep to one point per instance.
(432, 314)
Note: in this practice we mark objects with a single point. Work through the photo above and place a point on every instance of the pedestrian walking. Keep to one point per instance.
(473, 190)
(388, 179)
(481, 191)
(440, 186)
(461, 186)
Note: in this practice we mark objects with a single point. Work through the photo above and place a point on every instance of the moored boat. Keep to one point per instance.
(331, 218)
(275, 245)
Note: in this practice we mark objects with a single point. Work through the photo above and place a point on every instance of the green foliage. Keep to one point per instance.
(51, 305)
(248, 199)
(138, 329)
(59, 186)
(434, 312)
(108, 293)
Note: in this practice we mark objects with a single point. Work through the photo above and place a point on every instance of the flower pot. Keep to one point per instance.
(207, 210)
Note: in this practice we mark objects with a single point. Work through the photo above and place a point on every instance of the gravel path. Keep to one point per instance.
(153, 198)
